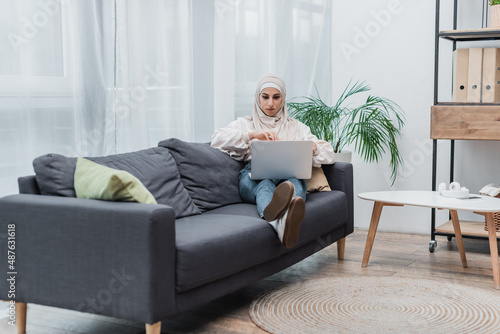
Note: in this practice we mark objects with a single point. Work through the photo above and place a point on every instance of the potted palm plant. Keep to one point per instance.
(494, 13)
(372, 127)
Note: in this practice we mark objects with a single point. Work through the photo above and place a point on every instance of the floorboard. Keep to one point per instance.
(393, 254)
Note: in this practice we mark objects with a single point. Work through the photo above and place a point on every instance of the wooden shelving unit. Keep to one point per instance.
(471, 34)
(465, 121)
(470, 228)
(460, 121)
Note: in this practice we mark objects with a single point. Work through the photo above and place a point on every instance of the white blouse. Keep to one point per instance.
(234, 140)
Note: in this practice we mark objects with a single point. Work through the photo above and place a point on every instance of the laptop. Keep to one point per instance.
(281, 159)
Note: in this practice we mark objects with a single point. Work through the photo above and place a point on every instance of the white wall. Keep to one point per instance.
(390, 44)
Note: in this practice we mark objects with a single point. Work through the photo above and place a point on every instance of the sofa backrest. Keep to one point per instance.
(190, 177)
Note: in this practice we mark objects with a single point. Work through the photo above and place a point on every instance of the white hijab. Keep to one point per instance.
(284, 126)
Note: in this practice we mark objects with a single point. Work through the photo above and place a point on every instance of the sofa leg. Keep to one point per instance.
(340, 248)
(154, 328)
(21, 310)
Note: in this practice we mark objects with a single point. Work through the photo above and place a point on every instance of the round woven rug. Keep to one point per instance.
(377, 305)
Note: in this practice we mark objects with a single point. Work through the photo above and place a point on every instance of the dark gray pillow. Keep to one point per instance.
(55, 175)
(154, 167)
(210, 176)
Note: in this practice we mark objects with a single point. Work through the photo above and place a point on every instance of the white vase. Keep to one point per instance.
(495, 16)
(344, 156)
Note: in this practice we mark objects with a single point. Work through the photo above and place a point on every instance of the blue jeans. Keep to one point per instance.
(260, 192)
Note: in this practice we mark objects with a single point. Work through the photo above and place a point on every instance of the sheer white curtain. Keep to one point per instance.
(54, 82)
(154, 86)
(254, 37)
(95, 77)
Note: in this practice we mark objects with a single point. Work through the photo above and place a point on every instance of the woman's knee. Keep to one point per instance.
(266, 185)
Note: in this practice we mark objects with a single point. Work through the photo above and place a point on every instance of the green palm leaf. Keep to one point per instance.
(372, 127)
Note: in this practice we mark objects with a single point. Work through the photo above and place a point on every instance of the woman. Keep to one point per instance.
(280, 202)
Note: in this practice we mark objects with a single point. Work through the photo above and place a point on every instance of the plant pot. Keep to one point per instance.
(344, 156)
(495, 16)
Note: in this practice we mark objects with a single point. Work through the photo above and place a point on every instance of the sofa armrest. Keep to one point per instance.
(109, 258)
(340, 177)
(28, 185)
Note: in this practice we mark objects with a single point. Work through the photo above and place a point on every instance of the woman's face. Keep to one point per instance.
(270, 101)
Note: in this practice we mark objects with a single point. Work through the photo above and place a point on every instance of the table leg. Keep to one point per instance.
(458, 236)
(492, 236)
(377, 210)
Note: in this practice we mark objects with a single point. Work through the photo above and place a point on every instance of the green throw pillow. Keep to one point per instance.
(100, 182)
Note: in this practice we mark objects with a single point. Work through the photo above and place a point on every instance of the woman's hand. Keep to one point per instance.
(263, 135)
(315, 148)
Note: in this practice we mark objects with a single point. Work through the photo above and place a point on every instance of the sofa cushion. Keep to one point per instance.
(325, 211)
(154, 167)
(213, 246)
(96, 181)
(240, 209)
(210, 176)
(226, 240)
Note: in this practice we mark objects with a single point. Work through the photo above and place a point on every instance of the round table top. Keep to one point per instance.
(433, 199)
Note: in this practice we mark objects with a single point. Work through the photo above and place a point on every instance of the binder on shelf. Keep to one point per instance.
(474, 74)
(460, 75)
(491, 75)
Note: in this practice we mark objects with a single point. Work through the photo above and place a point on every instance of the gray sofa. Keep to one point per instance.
(146, 262)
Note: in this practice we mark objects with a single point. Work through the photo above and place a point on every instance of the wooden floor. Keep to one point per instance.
(393, 254)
